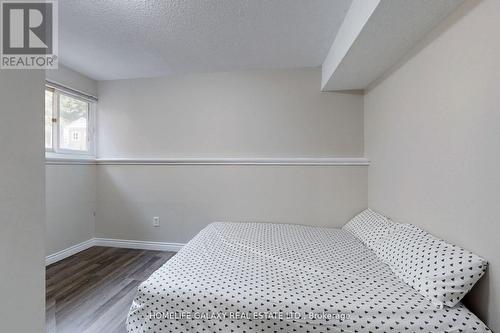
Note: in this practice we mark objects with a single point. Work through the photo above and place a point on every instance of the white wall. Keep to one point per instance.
(22, 272)
(68, 77)
(251, 114)
(70, 202)
(241, 114)
(187, 198)
(433, 134)
(70, 189)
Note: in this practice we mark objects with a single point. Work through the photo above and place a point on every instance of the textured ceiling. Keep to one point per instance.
(116, 39)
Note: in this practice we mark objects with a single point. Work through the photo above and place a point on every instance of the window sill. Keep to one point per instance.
(62, 159)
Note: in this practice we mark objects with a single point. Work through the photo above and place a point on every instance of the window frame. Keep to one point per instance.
(56, 151)
(51, 149)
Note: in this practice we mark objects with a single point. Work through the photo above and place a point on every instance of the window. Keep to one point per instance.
(68, 123)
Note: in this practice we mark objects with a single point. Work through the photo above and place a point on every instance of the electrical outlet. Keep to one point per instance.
(156, 221)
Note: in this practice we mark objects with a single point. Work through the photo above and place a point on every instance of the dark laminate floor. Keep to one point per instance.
(92, 291)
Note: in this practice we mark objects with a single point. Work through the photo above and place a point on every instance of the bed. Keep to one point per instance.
(264, 277)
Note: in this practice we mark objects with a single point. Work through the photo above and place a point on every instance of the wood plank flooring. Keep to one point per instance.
(91, 291)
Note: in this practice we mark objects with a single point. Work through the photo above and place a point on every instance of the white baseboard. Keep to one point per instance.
(141, 245)
(110, 242)
(55, 257)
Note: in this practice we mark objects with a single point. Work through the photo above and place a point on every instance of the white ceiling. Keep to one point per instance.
(116, 39)
(370, 44)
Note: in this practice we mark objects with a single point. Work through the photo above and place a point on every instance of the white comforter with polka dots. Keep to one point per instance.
(260, 277)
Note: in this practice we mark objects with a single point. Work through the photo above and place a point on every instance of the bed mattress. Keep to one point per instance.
(263, 277)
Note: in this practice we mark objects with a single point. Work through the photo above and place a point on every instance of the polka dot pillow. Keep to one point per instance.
(369, 227)
(441, 272)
